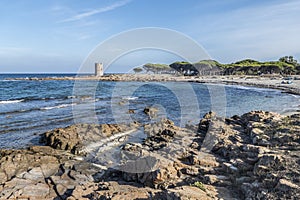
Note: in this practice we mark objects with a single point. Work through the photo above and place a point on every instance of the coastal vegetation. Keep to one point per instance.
(137, 70)
(253, 67)
(286, 65)
(157, 68)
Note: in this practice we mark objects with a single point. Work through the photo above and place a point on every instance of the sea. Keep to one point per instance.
(29, 108)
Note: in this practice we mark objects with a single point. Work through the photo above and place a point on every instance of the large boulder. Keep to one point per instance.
(74, 138)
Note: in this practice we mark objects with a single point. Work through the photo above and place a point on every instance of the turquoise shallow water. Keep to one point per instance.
(29, 108)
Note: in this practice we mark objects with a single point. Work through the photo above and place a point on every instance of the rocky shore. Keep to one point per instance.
(253, 156)
(273, 81)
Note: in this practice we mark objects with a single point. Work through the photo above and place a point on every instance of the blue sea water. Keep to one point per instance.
(30, 108)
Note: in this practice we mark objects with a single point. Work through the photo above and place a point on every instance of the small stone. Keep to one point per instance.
(131, 111)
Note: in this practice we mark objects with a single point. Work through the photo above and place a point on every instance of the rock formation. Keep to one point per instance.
(253, 156)
(75, 137)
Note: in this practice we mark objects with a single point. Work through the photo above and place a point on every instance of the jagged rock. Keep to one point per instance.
(131, 111)
(249, 144)
(119, 191)
(74, 137)
(205, 122)
(189, 192)
(41, 173)
(151, 111)
(26, 172)
(202, 159)
(149, 171)
(192, 171)
(160, 133)
(255, 156)
(13, 163)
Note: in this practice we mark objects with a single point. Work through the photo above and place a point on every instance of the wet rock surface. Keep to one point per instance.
(253, 156)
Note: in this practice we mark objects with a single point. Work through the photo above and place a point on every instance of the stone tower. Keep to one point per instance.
(99, 69)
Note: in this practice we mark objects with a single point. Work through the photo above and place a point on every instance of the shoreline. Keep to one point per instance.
(272, 82)
(217, 157)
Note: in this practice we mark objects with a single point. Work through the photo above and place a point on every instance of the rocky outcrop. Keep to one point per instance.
(253, 156)
(75, 137)
(259, 152)
(38, 173)
(151, 111)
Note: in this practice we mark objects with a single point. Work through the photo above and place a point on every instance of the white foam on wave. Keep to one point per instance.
(296, 96)
(254, 88)
(7, 80)
(11, 101)
(58, 106)
(129, 98)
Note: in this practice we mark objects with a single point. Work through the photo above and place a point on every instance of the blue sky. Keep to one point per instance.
(57, 35)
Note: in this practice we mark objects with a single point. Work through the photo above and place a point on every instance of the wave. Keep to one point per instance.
(58, 106)
(36, 109)
(129, 98)
(51, 98)
(242, 87)
(11, 101)
(27, 99)
(17, 111)
(78, 97)
(254, 88)
(295, 96)
(6, 80)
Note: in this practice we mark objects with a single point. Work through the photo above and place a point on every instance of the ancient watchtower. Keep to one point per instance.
(99, 69)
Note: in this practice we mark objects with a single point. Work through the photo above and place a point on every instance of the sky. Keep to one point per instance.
(57, 36)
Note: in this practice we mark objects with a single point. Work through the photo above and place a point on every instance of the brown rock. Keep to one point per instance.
(131, 111)
(189, 192)
(63, 139)
(74, 137)
(151, 111)
(37, 191)
(60, 189)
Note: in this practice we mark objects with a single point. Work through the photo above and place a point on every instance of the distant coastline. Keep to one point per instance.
(247, 72)
(272, 81)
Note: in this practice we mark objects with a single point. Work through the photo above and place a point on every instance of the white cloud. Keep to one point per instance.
(97, 11)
